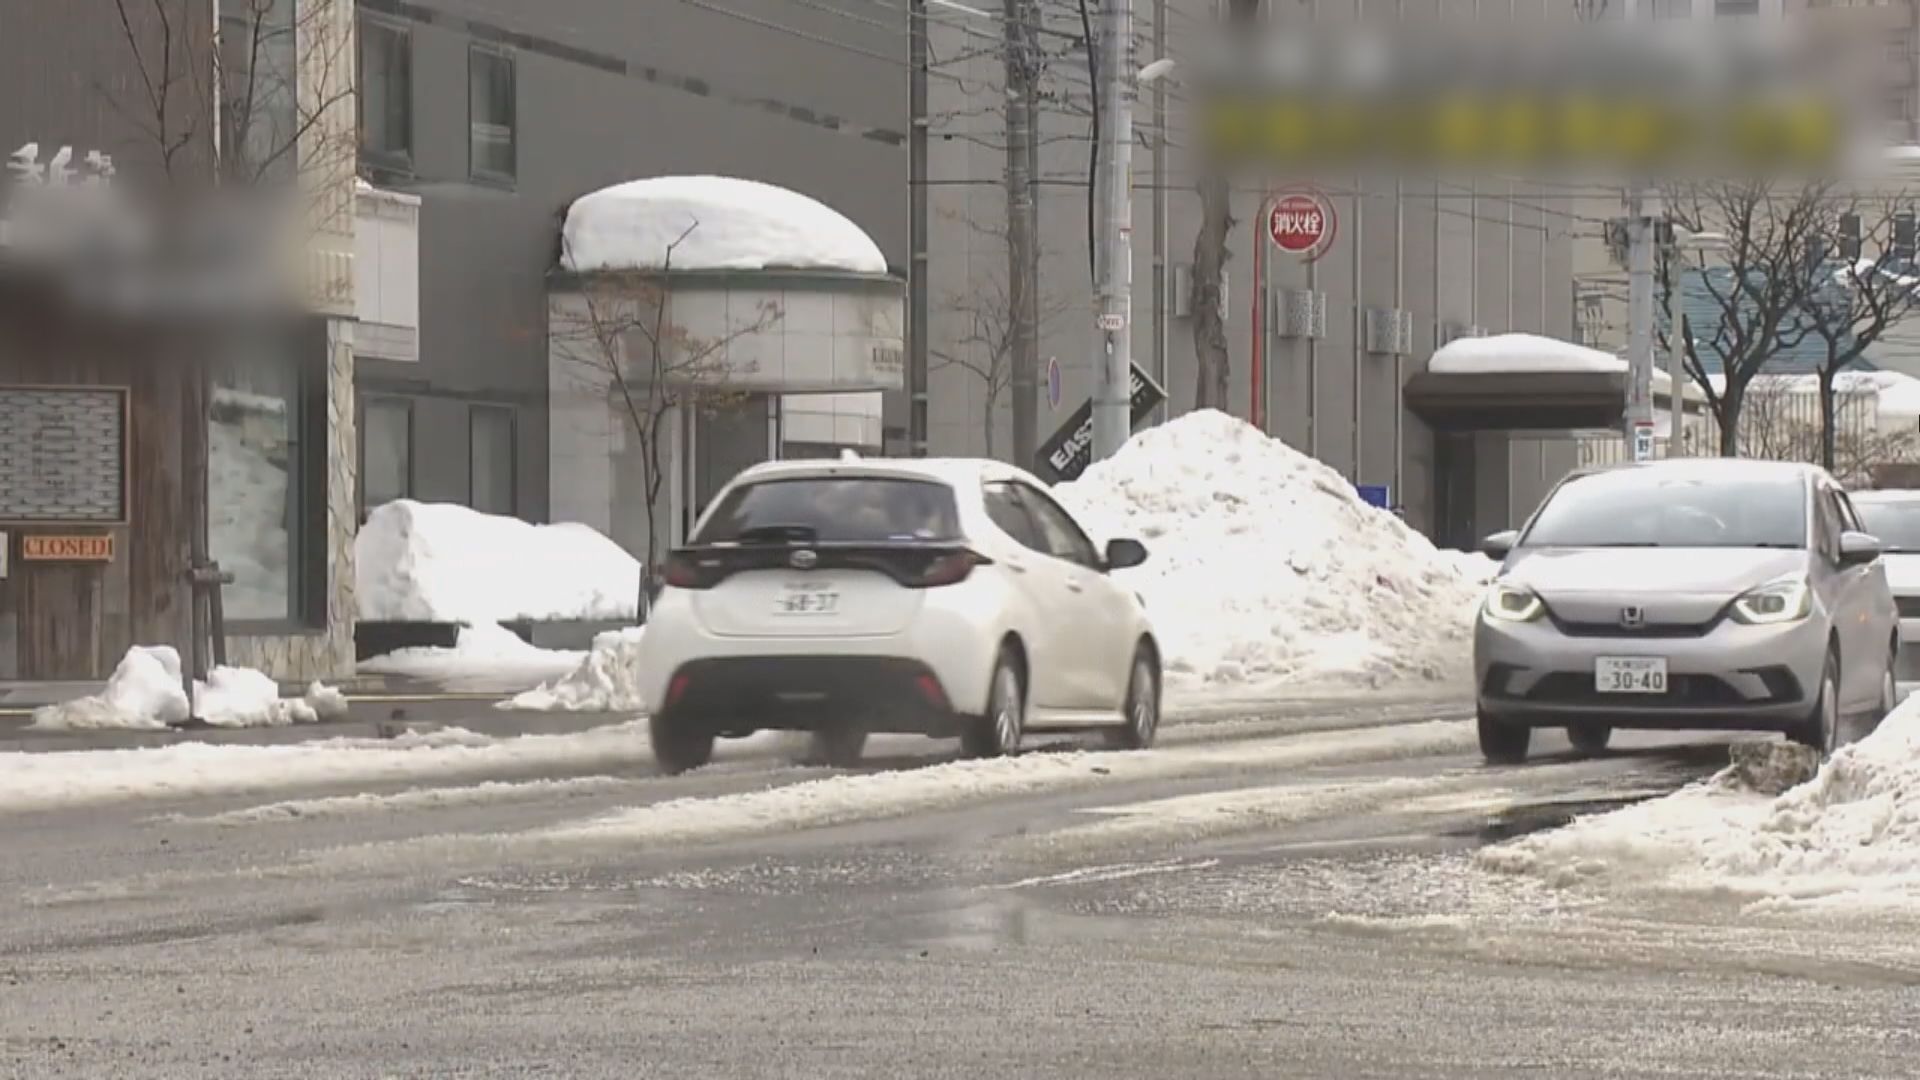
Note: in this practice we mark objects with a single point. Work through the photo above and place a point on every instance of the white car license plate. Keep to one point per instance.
(807, 598)
(1630, 674)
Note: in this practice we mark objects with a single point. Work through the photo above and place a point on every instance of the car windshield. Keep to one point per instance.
(1650, 508)
(861, 509)
(1896, 524)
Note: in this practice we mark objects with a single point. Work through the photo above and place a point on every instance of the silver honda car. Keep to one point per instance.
(1685, 594)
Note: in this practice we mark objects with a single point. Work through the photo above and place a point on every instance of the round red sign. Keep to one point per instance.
(1301, 223)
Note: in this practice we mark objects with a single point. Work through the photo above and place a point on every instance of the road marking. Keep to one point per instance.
(1116, 872)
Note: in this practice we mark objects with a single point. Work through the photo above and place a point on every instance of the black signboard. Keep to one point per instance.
(1068, 453)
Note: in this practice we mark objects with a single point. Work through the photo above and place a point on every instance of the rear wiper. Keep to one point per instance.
(778, 534)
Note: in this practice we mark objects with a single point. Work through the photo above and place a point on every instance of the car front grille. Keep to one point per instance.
(1615, 630)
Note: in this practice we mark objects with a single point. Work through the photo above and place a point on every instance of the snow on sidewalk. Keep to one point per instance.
(1848, 838)
(145, 693)
(485, 650)
(432, 562)
(605, 679)
(1267, 572)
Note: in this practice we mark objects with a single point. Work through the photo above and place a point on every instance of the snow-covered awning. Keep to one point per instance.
(704, 223)
(1526, 382)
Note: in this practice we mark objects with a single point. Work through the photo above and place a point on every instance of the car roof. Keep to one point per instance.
(955, 472)
(1709, 468)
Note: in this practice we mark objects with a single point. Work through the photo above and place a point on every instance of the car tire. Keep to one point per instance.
(997, 731)
(1590, 739)
(1142, 705)
(838, 745)
(1889, 688)
(1502, 743)
(1821, 728)
(678, 746)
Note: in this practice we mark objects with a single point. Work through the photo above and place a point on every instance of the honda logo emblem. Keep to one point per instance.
(1633, 617)
(803, 559)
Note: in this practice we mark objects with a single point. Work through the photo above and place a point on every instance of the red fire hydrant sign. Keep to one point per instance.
(1302, 222)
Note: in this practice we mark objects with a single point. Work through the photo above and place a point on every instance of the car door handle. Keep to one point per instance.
(1018, 566)
(1075, 585)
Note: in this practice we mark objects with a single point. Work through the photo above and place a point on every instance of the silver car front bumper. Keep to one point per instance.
(1733, 677)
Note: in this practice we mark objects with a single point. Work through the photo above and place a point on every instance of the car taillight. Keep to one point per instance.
(950, 569)
(682, 572)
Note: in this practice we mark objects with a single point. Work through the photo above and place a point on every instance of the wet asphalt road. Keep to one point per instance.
(1300, 905)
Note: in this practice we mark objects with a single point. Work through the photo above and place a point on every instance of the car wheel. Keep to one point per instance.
(1590, 739)
(998, 731)
(838, 743)
(1143, 706)
(1821, 728)
(1502, 743)
(678, 746)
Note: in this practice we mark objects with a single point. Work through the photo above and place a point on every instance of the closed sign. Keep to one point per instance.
(44, 548)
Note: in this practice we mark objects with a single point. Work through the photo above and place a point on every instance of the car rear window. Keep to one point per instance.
(834, 509)
(1654, 508)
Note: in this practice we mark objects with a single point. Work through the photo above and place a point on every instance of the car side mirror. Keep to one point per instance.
(1858, 549)
(1500, 544)
(1125, 554)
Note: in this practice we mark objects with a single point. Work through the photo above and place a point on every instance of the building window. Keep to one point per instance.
(386, 94)
(490, 452)
(491, 115)
(259, 100)
(1673, 9)
(266, 454)
(1727, 9)
(386, 451)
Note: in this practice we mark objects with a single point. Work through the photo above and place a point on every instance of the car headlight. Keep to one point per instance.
(1784, 601)
(1513, 603)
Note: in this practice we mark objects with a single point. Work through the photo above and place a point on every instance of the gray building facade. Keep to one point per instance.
(498, 114)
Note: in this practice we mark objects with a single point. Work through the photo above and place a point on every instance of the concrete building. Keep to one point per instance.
(98, 501)
(1411, 267)
(496, 116)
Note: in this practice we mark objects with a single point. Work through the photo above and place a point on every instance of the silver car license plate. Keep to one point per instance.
(1630, 674)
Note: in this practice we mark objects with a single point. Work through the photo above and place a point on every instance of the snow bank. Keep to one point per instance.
(1267, 571)
(32, 781)
(735, 225)
(488, 650)
(144, 693)
(605, 680)
(1849, 837)
(431, 562)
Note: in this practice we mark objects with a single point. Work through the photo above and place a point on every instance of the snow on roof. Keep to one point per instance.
(1508, 354)
(711, 223)
(1896, 395)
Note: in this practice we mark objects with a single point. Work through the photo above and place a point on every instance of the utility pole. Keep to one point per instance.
(917, 284)
(1639, 415)
(1162, 279)
(1676, 346)
(1022, 282)
(1113, 356)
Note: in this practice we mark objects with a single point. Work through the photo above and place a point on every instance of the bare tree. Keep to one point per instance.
(623, 333)
(1853, 304)
(1771, 231)
(987, 346)
(1213, 367)
(1781, 421)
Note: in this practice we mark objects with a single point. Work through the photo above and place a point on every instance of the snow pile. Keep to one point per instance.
(711, 223)
(145, 693)
(1266, 570)
(1849, 837)
(431, 562)
(606, 680)
(486, 650)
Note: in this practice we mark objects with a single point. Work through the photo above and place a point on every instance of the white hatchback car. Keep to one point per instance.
(935, 597)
